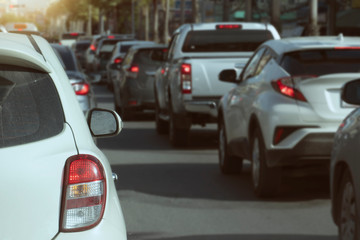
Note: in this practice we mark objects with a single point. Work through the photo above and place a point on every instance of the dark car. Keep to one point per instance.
(79, 48)
(134, 90)
(78, 79)
(345, 167)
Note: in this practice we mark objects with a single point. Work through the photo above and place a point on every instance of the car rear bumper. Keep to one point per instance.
(206, 107)
(313, 149)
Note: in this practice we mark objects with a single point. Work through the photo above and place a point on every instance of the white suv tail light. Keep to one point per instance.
(286, 86)
(84, 191)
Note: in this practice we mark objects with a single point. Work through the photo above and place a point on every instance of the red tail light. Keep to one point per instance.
(84, 193)
(81, 88)
(286, 86)
(185, 77)
(111, 37)
(118, 60)
(162, 70)
(134, 69)
(92, 47)
(229, 26)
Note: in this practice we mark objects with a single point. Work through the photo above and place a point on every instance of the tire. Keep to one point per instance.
(228, 164)
(162, 126)
(266, 180)
(125, 113)
(178, 136)
(347, 222)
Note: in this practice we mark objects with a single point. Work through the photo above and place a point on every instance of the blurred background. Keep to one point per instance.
(146, 19)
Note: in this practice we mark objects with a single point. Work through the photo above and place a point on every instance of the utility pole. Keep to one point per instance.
(331, 17)
(314, 27)
(182, 12)
(275, 14)
(248, 11)
(89, 23)
(166, 20)
(226, 10)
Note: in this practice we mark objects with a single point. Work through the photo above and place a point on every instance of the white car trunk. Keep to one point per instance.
(323, 95)
(31, 187)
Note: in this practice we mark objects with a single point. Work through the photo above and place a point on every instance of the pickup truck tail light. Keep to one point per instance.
(81, 88)
(185, 78)
(286, 86)
(84, 191)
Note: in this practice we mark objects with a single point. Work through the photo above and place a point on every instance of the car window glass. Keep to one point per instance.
(253, 62)
(225, 40)
(172, 44)
(145, 56)
(30, 108)
(263, 61)
(320, 62)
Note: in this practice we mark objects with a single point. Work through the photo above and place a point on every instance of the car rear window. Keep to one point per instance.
(225, 40)
(107, 46)
(321, 62)
(149, 56)
(30, 108)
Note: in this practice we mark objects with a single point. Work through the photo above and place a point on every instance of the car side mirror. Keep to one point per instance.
(351, 92)
(228, 75)
(103, 122)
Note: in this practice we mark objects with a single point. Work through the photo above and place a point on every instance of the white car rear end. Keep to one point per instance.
(55, 184)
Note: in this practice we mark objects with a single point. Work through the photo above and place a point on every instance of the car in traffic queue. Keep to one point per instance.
(134, 89)
(22, 27)
(345, 168)
(78, 79)
(90, 54)
(69, 38)
(57, 183)
(79, 48)
(117, 55)
(284, 111)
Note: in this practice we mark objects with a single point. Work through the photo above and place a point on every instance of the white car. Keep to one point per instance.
(286, 107)
(55, 184)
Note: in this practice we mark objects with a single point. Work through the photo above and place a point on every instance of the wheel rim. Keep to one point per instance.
(222, 146)
(255, 163)
(348, 213)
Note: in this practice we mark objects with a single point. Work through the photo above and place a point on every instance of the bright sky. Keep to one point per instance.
(33, 4)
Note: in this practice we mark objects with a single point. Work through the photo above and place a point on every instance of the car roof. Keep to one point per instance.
(133, 42)
(284, 45)
(18, 49)
(147, 46)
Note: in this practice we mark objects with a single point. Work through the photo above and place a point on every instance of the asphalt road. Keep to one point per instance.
(180, 194)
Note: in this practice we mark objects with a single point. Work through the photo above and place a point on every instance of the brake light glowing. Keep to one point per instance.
(134, 69)
(286, 86)
(84, 192)
(118, 60)
(185, 77)
(81, 88)
(74, 34)
(111, 37)
(92, 47)
(349, 48)
(229, 26)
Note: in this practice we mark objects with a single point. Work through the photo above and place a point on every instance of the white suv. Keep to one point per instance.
(55, 184)
(286, 106)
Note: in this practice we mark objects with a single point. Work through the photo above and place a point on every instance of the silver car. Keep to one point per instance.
(345, 168)
(286, 107)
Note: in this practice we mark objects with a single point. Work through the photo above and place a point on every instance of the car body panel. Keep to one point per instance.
(32, 184)
(36, 169)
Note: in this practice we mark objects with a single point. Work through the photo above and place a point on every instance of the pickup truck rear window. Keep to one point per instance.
(225, 40)
(322, 61)
(30, 108)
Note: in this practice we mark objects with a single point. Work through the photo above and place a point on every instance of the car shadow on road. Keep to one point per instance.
(148, 139)
(150, 236)
(204, 181)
